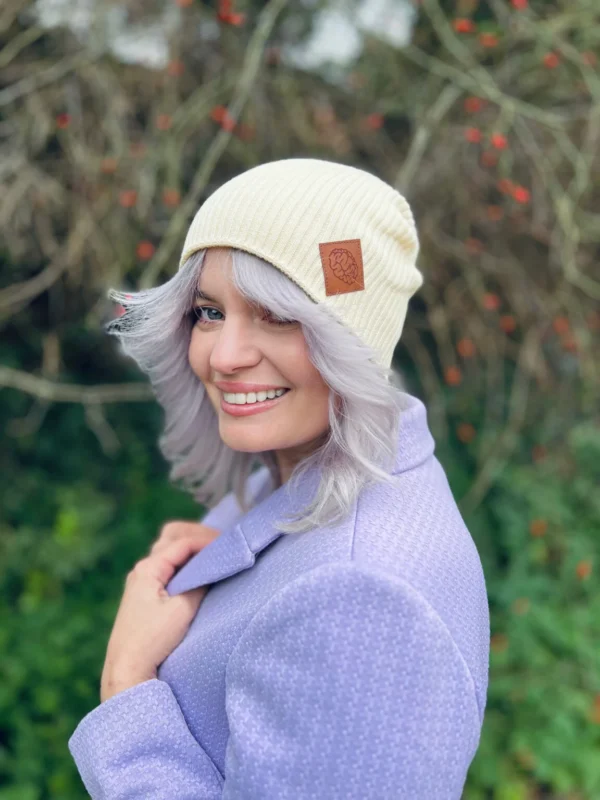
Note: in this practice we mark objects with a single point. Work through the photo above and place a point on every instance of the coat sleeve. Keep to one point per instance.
(137, 745)
(346, 684)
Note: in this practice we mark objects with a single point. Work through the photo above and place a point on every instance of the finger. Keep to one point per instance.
(162, 565)
(193, 597)
(174, 531)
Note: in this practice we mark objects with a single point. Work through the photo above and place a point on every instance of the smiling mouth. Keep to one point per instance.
(255, 402)
(242, 409)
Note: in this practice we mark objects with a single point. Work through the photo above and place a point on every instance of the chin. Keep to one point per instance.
(244, 441)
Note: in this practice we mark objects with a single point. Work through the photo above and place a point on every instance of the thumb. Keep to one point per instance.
(195, 596)
(171, 558)
(191, 599)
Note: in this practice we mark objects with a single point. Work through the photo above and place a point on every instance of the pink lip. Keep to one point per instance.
(250, 408)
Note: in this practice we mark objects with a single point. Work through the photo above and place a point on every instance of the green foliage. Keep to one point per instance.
(70, 534)
(542, 723)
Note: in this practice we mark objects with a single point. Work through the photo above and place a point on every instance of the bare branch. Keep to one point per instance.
(72, 393)
(248, 72)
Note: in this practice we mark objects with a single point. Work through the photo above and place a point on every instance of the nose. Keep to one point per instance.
(234, 347)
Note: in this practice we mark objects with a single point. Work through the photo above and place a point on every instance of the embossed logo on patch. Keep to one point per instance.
(342, 266)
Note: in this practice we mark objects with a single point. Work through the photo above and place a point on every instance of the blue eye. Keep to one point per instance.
(198, 316)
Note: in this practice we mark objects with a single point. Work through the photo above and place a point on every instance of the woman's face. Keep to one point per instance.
(234, 341)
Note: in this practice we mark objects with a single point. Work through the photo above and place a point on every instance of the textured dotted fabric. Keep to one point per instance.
(349, 662)
(348, 685)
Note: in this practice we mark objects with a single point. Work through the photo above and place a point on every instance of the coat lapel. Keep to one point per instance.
(236, 548)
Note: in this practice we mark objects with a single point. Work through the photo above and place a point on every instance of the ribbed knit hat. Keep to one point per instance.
(344, 236)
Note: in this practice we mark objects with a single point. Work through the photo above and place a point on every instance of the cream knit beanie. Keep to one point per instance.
(346, 237)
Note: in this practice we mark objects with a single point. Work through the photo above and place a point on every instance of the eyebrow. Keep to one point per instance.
(200, 295)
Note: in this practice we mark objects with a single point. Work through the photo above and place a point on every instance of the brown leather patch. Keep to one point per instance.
(342, 266)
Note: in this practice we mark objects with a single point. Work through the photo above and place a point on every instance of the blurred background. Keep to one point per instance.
(117, 120)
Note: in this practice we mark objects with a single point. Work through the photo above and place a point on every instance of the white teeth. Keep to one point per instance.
(240, 399)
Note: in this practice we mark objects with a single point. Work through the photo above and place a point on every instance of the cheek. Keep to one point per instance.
(305, 374)
(197, 355)
(314, 398)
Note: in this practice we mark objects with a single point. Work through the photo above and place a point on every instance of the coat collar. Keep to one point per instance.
(237, 547)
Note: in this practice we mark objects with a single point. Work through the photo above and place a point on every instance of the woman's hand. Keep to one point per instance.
(149, 623)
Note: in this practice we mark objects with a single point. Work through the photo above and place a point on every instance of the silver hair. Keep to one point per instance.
(360, 444)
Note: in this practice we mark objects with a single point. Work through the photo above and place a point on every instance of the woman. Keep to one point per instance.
(329, 636)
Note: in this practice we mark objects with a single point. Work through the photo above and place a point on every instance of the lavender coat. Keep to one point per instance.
(348, 662)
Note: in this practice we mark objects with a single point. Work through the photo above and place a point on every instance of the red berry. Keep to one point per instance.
(127, 198)
(521, 194)
(230, 18)
(218, 113)
(488, 40)
(538, 527)
(473, 104)
(175, 68)
(474, 246)
(491, 301)
(551, 60)
(507, 323)
(499, 141)
(473, 135)
(466, 348)
(374, 121)
(163, 122)
(171, 197)
(145, 250)
(463, 25)
(561, 325)
(453, 376)
(108, 165)
(583, 569)
(466, 432)
(228, 123)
